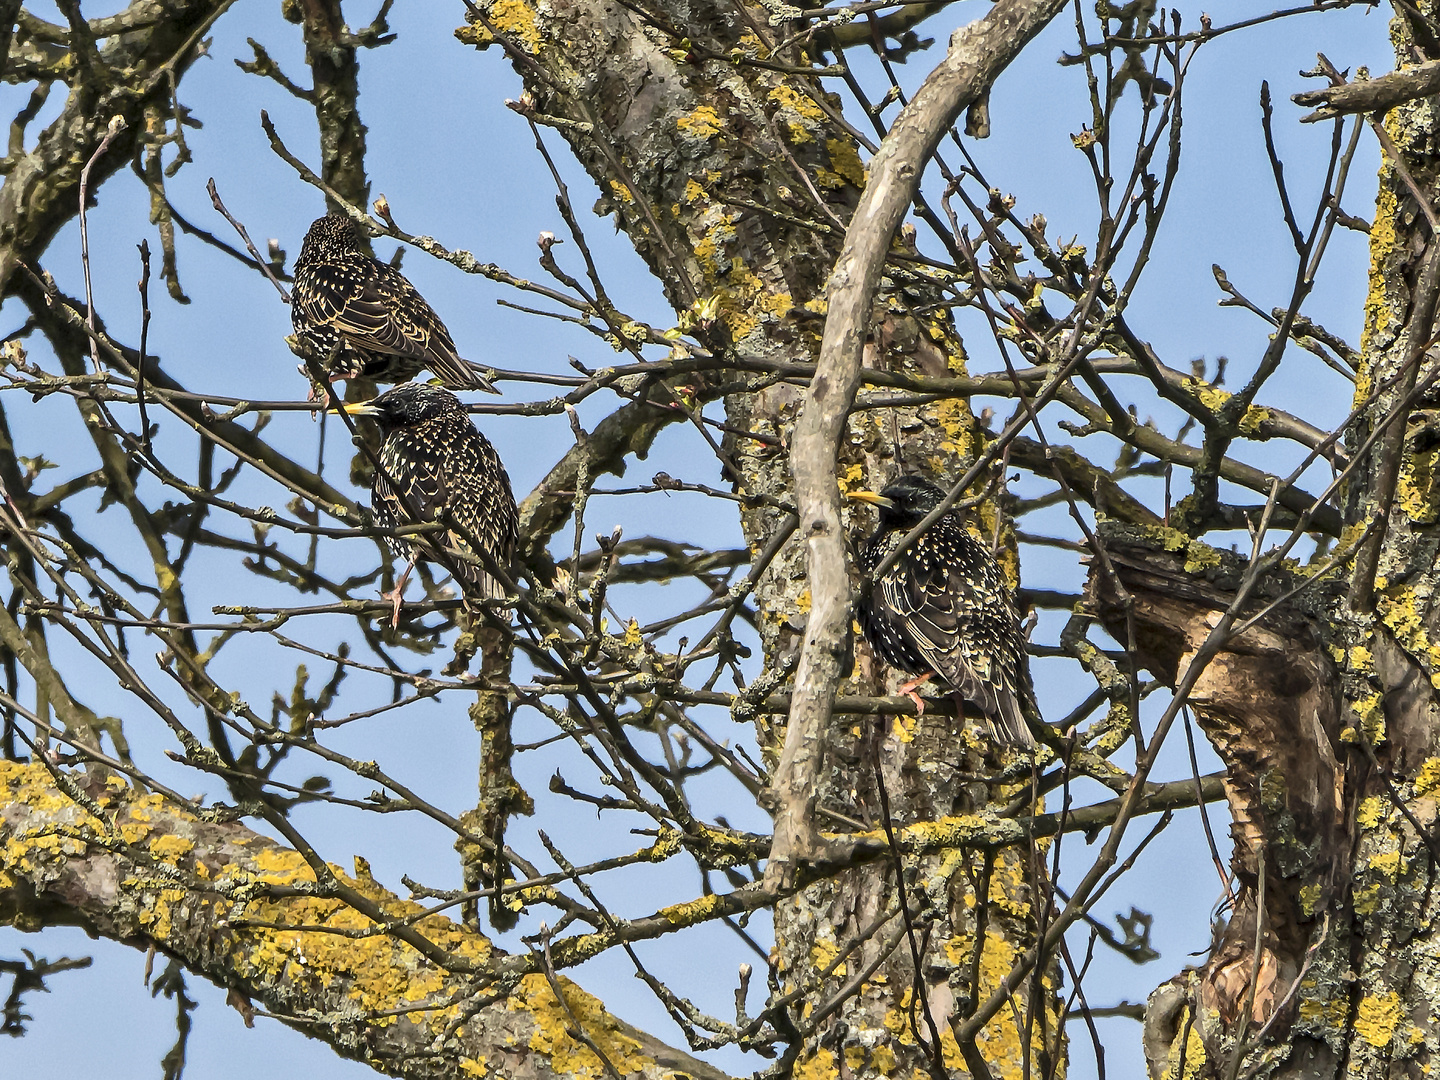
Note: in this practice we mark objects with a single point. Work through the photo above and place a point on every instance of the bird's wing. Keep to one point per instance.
(373, 307)
(428, 486)
(949, 598)
(938, 613)
(965, 625)
(389, 511)
(482, 507)
(452, 475)
(390, 315)
(380, 310)
(331, 296)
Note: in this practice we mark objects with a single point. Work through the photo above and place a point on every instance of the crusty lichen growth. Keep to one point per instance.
(515, 19)
(1188, 1059)
(1402, 609)
(1369, 994)
(1388, 1023)
(199, 891)
(882, 1035)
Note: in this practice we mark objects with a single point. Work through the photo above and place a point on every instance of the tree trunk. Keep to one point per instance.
(908, 947)
(710, 165)
(1325, 715)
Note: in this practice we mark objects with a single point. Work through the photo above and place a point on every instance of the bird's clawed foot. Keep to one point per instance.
(396, 596)
(908, 690)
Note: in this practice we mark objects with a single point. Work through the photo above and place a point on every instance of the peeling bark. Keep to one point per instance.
(1271, 704)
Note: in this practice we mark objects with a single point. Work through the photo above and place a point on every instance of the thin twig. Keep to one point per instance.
(117, 125)
(144, 287)
(263, 264)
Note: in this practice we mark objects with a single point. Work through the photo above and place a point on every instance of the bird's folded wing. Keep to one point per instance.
(392, 316)
(387, 314)
(377, 310)
(938, 613)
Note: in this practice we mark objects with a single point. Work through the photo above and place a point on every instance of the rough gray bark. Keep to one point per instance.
(728, 166)
(1373, 95)
(42, 186)
(1325, 713)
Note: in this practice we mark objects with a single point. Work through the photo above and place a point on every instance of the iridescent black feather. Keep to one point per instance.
(355, 315)
(443, 470)
(944, 607)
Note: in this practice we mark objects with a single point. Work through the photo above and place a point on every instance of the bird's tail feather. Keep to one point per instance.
(458, 374)
(1008, 721)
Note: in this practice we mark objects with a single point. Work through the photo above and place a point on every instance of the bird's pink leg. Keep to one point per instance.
(331, 401)
(908, 690)
(397, 594)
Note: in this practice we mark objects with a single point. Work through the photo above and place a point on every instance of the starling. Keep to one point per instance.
(944, 609)
(356, 315)
(436, 466)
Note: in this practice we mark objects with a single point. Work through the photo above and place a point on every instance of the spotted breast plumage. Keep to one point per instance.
(355, 315)
(944, 608)
(435, 465)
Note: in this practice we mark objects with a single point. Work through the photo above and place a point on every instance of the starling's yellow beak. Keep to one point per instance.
(873, 497)
(361, 408)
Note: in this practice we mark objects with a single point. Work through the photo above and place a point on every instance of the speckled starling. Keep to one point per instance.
(355, 315)
(944, 609)
(436, 466)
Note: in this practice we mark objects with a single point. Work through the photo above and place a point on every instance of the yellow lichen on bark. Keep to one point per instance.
(1190, 1050)
(306, 953)
(515, 19)
(1377, 1018)
(691, 912)
(702, 122)
(171, 848)
(798, 113)
(845, 165)
(819, 1066)
(1378, 302)
(553, 1024)
(1400, 609)
(1427, 780)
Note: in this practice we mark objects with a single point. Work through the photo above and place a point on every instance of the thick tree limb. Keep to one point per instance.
(142, 879)
(1374, 96)
(8, 10)
(630, 429)
(330, 52)
(39, 193)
